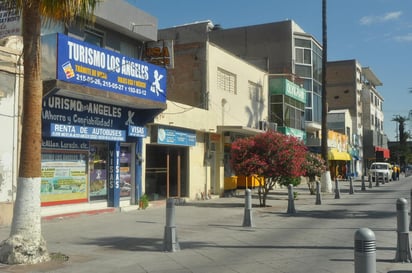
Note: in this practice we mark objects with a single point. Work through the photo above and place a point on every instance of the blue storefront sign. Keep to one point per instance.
(137, 131)
(85, 132)
(72, 118)
(114, 175)
(88, 65)
(176, 137)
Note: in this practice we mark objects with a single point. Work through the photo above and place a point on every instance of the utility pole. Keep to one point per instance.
(324, 141)
(326, 183)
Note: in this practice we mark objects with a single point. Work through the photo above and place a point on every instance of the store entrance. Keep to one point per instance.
(127, 187)
(98, 156)
(166, 171)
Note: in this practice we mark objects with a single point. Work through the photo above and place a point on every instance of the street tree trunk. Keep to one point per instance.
(26, 244)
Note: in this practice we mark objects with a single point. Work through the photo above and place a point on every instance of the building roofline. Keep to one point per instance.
(371, 77)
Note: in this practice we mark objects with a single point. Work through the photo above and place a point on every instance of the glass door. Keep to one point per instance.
(98, 156)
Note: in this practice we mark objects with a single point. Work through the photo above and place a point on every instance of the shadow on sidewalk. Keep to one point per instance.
(127, 243)
(215, 204)
(338, 214)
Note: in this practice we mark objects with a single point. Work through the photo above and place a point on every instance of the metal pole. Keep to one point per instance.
(337, 190)
(318, 197)
(410, 220)
(291, 200)
(248, 218)
(351, 191)
(363, 187)
(170, 242)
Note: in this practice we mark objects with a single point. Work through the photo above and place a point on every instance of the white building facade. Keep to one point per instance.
(236, 105)
(11, 75)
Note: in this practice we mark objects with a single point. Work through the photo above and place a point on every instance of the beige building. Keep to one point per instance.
(235, 106)
(353, 87)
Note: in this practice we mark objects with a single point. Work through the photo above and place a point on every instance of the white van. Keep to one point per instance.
(380, 170)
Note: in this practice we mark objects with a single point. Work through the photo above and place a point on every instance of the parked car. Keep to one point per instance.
(380, 170)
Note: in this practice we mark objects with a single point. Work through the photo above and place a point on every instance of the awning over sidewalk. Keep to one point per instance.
(334, 154)
(386, 152)
(239, 129)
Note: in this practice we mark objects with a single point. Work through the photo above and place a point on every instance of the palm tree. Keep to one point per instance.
(403, 138)
(26, 244)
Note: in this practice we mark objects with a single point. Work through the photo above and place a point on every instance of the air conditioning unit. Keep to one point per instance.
(272, 126)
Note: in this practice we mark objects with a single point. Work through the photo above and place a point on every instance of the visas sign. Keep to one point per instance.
(92, 66)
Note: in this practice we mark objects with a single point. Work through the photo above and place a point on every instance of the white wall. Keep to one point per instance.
(10, 78)
(235, 109)
(10, 51)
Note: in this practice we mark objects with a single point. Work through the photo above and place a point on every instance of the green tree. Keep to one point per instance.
(26, 244)
(274, 156)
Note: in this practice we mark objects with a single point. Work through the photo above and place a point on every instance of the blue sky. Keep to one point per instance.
(377, 33)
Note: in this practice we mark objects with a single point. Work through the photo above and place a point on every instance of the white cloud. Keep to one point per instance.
(404, 38)
(390, 16)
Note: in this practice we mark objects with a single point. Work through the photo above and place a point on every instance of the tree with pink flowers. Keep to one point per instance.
(314, 167)
(271, 155)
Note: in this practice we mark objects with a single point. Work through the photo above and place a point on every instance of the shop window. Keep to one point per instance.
(98, 157)
(125, 171)
(63, 177)
(93, 36)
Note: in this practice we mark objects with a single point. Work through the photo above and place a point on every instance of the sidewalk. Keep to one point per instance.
(319, 238)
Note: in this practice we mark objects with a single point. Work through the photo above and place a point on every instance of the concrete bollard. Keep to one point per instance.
(377, 180)
(291, 200)
(363, 186)
(170, 242)
(403, 249)
(337, 190)
(365, 251)
(318, 197)
(247, 218)
(370, 182)
(351, 191)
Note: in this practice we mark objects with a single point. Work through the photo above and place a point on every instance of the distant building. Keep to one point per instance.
(375, 140)
(340, 121)
(353, 87)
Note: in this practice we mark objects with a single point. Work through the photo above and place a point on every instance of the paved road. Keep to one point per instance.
(318, 238)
